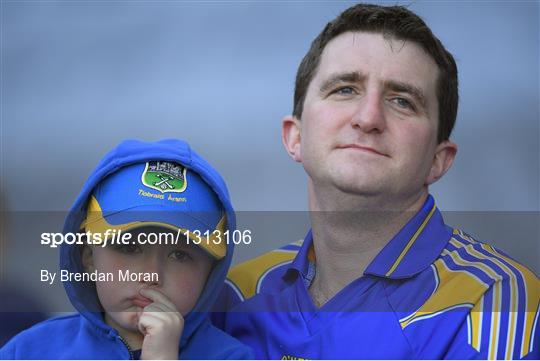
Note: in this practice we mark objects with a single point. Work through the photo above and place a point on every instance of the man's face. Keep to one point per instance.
(182, 270)
(369, 124)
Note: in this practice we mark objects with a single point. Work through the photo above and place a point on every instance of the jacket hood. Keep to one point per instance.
(83, 295)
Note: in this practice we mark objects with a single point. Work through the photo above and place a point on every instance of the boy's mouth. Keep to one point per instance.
(140, 301)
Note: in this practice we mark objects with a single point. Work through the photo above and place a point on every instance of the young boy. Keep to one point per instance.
(140, 294)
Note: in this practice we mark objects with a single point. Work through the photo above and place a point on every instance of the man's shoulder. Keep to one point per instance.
(262, 272)
(500, 297)
(468, 272)
(485, 263)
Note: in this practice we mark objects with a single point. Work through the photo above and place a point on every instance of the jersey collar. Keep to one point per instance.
(414, 248)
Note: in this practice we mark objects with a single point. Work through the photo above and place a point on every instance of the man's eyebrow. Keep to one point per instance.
(413, 90)
(338, 78)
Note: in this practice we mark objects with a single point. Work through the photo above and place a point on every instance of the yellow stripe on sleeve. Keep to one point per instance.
(246, 275)
(532, 291)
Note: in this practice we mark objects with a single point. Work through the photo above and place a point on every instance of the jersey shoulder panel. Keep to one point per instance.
(250, 277)
(501, 296)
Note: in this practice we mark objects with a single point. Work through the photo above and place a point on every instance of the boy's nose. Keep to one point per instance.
(153, 266)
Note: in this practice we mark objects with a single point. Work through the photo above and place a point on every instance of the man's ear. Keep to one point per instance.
(445, 154)
(87, 258)
(290, 136)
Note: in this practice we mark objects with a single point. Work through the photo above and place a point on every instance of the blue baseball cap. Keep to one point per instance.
(158, 193)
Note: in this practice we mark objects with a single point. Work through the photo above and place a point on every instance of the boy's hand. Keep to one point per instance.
(162, 325)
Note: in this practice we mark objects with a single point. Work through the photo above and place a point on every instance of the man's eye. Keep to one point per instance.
(128, 248)
(181, 256)
(403, 103)
(346, 90)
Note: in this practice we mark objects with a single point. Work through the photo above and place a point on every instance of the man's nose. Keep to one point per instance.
(369, 116)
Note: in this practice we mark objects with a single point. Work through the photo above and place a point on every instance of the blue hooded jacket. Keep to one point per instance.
(86, 335)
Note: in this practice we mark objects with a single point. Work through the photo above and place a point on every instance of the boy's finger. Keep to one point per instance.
(164, 318)
(148, 320)
(159, 311)
(156, 307)
(143, 323)
(151, 320)
(159, 297)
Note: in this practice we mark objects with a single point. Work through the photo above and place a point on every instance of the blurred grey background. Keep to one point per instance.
(78, 77)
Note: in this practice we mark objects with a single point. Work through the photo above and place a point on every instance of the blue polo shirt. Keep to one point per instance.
(432, 292)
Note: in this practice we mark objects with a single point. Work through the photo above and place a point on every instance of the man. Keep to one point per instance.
(379, 275)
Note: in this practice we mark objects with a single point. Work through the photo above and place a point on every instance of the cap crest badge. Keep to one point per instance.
(165, 176)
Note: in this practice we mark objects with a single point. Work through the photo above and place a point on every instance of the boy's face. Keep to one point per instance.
(182, 271)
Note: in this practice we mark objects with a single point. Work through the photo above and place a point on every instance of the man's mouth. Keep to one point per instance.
(361, 148)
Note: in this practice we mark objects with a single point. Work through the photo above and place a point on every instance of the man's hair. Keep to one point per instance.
(392, 22)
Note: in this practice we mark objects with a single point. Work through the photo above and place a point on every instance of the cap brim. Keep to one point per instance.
(147, 215)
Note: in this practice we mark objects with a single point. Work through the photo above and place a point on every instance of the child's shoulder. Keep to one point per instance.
(31, 343)
(50, 324)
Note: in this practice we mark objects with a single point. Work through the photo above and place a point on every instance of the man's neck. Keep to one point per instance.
(346, 241)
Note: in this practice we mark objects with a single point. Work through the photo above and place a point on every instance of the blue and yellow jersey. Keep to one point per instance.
(432, 292)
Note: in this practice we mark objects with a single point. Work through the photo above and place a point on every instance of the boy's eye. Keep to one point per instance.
(181, 256)
(128, 248)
